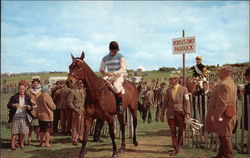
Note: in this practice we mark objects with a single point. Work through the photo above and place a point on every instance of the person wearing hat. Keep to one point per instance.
(221, 115)
(176, 101)
(148, 97)
(199, 70)
(45, 115)
(159, 94)
(116, 66)
(76, 101)
(34, 92)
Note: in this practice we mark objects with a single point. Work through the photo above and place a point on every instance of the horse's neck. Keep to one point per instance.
(92, 81)
(189, 84)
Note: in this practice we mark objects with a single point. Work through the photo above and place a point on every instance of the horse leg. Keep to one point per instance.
(87, 126)
(112, 136)
(122, 128)
(134, 115)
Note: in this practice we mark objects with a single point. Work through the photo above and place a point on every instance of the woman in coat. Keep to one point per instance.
(34, 92)
(45, 115)
(18, 105)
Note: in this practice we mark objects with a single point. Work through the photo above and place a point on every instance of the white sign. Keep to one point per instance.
(184, 45)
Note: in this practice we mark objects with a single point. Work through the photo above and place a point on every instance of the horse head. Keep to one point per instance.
(76, 71)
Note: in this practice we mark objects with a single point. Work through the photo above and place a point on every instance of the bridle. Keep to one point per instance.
(76, 76)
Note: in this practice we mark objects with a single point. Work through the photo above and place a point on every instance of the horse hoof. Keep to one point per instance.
(81, 156)
(136, 143)
(114, 155)
(121, 150)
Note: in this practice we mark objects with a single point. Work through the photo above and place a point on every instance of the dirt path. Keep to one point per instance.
(154, 142)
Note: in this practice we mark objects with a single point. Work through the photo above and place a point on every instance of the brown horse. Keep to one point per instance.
(101, 103)
(192, 86)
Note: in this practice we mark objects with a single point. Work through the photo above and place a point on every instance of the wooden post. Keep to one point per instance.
(130, 125)
(197, 117)
(193, 113)
(248, 108)
(201, 120)
(243, 126)
(204, 125)
(184, 63)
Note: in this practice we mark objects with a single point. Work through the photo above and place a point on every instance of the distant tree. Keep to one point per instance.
(167, 69)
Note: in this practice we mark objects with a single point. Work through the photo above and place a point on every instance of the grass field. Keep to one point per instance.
(15, 79)
(154, 138)
(154, 142)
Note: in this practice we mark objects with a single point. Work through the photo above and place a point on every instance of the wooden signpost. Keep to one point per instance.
(182, 46)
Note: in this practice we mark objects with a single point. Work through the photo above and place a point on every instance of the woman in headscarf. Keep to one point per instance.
(45, 115)
(34, 92)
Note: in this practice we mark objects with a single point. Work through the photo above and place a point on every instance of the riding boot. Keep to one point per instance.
(119, 107)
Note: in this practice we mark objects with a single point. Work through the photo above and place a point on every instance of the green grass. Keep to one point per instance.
(154, 138)
(154, 142)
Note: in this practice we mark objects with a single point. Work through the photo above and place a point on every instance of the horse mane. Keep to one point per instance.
(92, 81)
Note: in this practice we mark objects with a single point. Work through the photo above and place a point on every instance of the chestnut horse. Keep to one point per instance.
(192, 86)
(101, 103)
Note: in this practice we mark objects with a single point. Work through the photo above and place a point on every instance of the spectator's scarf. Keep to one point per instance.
(36, 89)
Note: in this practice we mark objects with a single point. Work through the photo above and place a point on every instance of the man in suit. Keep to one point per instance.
(148, 102)
(66, 112)
(55, 93)
(176, 101)
(76, 100)
(159, 95)
(221, 115)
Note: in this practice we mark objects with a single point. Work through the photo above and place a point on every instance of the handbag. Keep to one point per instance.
(34, 112)
(29, 118)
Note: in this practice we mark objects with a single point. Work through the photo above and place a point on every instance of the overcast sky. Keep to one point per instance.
(40, 35)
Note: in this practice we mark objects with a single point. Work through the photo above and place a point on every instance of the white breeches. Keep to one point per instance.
(116, 83)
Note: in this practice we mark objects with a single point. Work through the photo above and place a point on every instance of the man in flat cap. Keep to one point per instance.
(221, 115)
(176, 101)
(116, 66)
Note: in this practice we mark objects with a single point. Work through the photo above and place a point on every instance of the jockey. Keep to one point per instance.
(199, 71)
(116, 66)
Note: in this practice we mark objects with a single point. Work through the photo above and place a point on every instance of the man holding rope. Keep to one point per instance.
(176, 101)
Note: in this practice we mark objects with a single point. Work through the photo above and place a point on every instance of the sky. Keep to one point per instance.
(40, 35)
